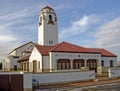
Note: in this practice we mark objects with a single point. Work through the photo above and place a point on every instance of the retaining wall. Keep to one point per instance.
(114, 72)
(57, 77)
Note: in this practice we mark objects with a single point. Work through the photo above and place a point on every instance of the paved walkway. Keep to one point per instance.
(81, 84)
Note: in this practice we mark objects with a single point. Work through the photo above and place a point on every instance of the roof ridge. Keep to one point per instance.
(22, 46)
(55, 46)
(69, 47)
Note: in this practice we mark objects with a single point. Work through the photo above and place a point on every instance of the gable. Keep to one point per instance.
(21, 48)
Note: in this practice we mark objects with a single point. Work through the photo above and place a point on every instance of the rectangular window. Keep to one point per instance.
(102, 63)
(111, 63)
(39, 64)
(50, 42)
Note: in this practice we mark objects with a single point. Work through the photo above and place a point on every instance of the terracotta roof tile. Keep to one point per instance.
(71, 48)
(44, 50)
(102, 51)
(47, 7)
(24, 58)
(68, 47)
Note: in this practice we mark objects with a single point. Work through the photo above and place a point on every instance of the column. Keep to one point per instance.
(23, 66)
(85, 61)
(26, 66)
(71, 64)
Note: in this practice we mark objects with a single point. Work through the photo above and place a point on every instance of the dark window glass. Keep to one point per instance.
(111, 63)
(50, 17)
(102, 63)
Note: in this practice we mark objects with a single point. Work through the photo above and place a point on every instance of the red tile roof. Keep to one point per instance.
(71, 48)
(47, 7)
(26, 58)
(103, 52)
(44, 50)
(68, 47)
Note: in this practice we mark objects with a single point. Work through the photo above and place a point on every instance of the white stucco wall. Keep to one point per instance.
(6, 64)
(13, 53)
(107, 61)
(54, 56)
(114, 72)
(13, 61)
(47, 32)
(44, 78)
(19, 50)
(35, 55)
(27, 47)
(46, 62)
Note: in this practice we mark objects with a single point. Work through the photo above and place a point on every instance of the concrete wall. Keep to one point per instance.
(27, 82)
(114, 72)
(56, 77)
(11, 72)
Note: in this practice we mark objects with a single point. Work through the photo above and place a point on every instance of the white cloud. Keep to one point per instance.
(108, 33)
(6, 38)
(79, 26)
(108, 36)
(10, 30)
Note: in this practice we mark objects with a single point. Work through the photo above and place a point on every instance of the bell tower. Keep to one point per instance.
(47, 27)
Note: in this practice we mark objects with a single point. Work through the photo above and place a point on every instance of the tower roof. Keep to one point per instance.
(47, 7)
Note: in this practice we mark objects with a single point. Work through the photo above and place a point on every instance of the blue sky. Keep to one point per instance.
(89, 23)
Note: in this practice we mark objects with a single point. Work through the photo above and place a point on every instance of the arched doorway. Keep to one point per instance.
(63, 64)
(92, 64)
(34, 66)
(78, 63)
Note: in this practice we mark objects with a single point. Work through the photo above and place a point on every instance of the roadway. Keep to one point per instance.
(103, 87)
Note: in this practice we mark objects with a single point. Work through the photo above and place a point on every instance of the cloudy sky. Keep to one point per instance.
(89, 23)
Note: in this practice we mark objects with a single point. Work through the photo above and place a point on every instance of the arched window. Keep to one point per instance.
(55, 18)
(40, 19)
(111, 63)
(63, 64)
(50, 17)
(102, 63)
(78, 63)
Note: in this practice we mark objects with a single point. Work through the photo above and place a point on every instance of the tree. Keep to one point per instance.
(1, 65)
